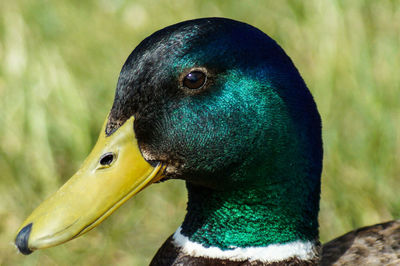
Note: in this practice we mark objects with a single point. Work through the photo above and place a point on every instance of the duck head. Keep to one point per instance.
(214, 102)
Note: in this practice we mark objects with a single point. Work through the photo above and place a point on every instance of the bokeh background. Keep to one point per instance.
(59, 64)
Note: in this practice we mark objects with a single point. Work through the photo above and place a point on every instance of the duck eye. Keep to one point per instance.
(106, 159)
(194, 80)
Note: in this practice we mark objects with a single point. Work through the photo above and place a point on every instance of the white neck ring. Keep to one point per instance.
(302, 250)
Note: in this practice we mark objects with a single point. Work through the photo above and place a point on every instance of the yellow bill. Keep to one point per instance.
(114, 172)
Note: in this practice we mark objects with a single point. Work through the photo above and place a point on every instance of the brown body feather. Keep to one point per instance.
(372, 245)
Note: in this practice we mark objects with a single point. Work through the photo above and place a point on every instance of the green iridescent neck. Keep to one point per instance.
(264, 187)
(250, 217)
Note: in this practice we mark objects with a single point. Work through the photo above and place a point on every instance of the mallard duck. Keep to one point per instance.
(217, 103)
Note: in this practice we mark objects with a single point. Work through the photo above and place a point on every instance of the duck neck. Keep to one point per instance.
(253, 218)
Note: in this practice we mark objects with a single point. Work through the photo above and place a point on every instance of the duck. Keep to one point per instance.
(218, 104)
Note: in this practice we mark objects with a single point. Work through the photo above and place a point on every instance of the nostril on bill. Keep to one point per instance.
(21, 241)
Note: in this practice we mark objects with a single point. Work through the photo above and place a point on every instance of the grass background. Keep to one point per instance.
(59, 63)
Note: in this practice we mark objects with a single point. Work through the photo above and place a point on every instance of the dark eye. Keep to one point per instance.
(106, 159)
(194, 80)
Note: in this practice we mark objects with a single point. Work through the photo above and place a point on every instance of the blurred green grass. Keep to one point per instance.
(59, 63)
